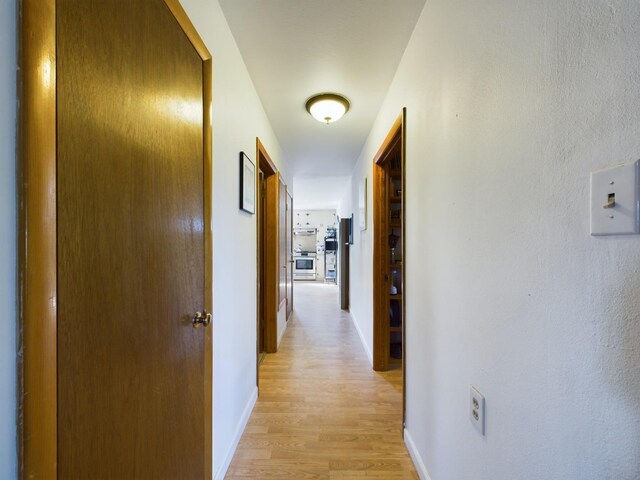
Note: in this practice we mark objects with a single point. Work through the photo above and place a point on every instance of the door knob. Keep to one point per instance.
(201, 319)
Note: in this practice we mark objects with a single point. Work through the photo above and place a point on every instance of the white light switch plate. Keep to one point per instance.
(621, 183)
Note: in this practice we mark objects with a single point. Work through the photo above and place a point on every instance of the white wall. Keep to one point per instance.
(238, 117)
(8, 455)
(318, 192)
(361, 252)
(510, 105)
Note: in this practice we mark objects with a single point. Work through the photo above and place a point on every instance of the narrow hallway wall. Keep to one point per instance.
(8, 454)
(238, 117)
(510, 106)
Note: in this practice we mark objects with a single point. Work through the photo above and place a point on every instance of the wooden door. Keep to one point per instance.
(269, 253)
(289, 254)
(132, 195)
(261, 267)
(343, 249)
(282, 236)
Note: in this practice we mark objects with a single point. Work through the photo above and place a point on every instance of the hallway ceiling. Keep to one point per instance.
(294, 49)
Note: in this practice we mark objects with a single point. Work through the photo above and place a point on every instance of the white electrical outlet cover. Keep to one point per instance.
(623, 182)
(476, 409)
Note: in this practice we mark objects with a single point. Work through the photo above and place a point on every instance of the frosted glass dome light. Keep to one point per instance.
(327, 107)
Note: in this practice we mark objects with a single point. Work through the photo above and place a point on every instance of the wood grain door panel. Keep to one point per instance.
(131, 246)
(289, 254)
(269, 258)
(282, 243)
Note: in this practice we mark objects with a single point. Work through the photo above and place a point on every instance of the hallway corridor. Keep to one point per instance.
(323, 413)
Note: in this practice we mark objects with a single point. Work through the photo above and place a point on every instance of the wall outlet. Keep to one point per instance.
(476, 409)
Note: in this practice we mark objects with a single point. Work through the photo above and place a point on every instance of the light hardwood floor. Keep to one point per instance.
(322, 412)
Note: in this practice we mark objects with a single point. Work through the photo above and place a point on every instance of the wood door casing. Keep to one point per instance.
(37, 402)
(105, 207)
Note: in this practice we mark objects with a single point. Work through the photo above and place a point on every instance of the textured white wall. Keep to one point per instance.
(238, 118)
(510, 105)
(361, 252)
(8, 456)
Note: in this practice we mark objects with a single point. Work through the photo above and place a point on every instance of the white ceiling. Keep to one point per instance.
(294, 49)
(313, 192)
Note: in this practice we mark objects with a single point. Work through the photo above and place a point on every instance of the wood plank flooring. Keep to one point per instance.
(322, 412)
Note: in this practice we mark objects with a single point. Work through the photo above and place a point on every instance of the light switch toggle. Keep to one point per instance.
(611, 201)
(615, 200)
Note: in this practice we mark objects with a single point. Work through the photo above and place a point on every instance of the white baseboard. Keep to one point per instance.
(415, 456)
(286, 324)
(367, 350)
(222, 471)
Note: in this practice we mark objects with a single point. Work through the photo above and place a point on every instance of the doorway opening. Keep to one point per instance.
(268, 187)
(343, 249)
(389, 261)
(260, 227)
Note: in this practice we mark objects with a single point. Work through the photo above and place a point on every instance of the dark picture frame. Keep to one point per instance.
(351, 230)
(247, 184)
(362, 204)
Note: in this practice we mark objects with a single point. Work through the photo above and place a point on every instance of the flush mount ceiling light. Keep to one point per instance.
(327, 107)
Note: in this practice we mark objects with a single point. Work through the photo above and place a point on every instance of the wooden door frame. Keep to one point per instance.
(37, 236)
(396, 135)
(289, 255)
(271, 245)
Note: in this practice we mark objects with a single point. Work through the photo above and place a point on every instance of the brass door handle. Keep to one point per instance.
(201, 319)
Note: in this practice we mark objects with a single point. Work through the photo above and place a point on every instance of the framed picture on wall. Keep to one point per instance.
(362, 204)
(351, 230)
(247, 184)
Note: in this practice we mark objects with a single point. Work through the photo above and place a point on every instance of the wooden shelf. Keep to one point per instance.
(392, 183)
